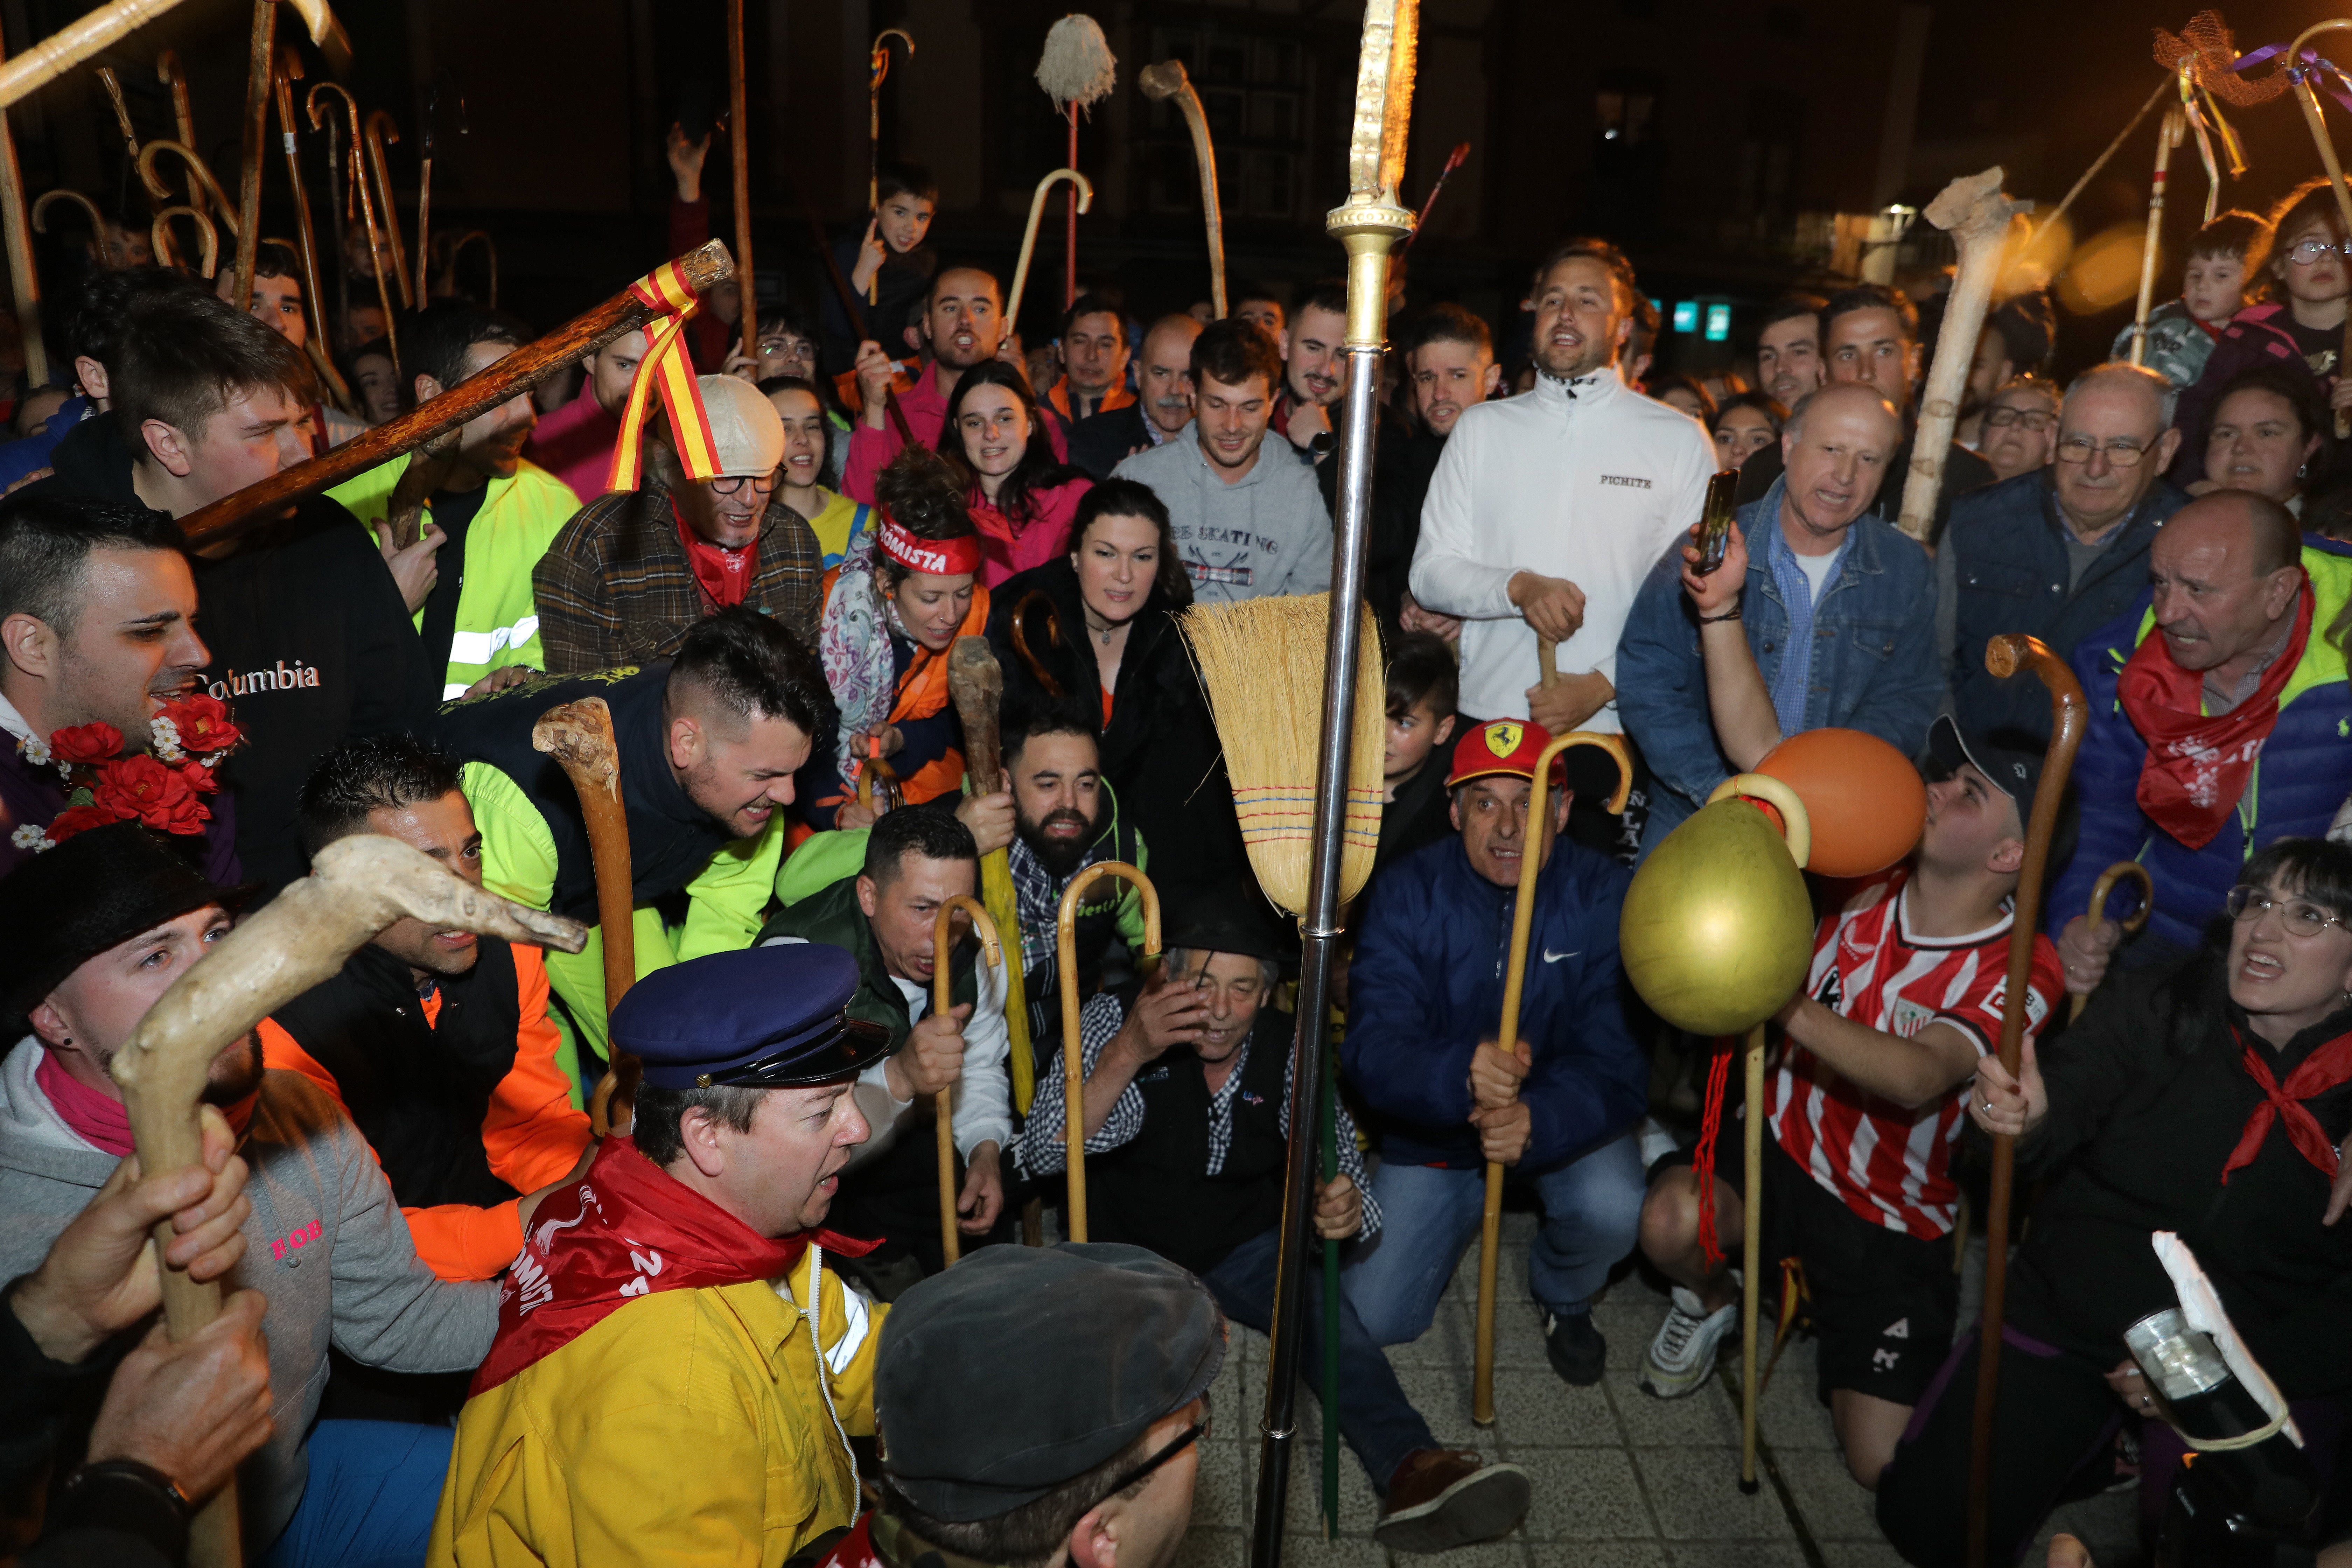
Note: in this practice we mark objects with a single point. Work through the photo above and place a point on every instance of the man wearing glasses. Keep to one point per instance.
(2218, 718)
(2060, 552)
(633, 571)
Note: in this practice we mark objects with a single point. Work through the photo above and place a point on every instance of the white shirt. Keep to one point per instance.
(1592, 488)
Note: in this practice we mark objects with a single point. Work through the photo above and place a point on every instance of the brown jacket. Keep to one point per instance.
(616, 587)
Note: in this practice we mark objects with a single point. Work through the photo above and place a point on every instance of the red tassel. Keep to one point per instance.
(1703, 1162)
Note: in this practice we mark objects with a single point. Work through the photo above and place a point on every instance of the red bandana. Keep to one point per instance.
(724, 575)
(625, 1229)
(2325, 1068)
(2197, 766)
(939, 557)
(99, 1121)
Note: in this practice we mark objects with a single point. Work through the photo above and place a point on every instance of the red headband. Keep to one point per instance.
(940, 557)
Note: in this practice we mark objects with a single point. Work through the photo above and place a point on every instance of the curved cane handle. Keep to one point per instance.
(1029, 235)
(882, 50)
(159, 234)
(1795, 826)
(876, 778)
(1020, 622)
(196, 167)
(1612, 744)
(1066, 956)
(47, 199)
(2124, 871)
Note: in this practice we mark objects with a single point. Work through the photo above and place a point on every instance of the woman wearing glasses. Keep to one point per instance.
(2211, 1099)
(2021, 426)
(2298, 329)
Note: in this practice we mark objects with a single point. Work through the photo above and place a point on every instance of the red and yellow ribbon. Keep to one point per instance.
(670, 368)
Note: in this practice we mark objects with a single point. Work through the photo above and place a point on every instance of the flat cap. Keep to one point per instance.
(1023, 1368)
(764, 1017)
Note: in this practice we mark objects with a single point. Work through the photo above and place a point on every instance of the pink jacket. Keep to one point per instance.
(1045, 536)
(870, 450)
(575, 444)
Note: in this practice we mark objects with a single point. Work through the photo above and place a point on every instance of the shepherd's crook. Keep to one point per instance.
(579, 736)
(943, 1104)
(1074, 1073)
(1029, 235)
(873, 136)
(1166, 82)
(2007, 655)
(1369, 225)
(357, 887)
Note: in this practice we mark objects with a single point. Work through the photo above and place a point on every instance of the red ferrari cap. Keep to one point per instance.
(1501, 746)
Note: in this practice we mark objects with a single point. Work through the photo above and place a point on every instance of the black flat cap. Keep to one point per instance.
(1022, 1368)
(98, 888)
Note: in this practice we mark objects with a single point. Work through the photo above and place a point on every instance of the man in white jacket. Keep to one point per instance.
(1548, 509)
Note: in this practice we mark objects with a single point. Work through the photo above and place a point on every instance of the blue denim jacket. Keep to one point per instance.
(1874, 663)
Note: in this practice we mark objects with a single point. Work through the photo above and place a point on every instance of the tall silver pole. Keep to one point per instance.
(1370, 226)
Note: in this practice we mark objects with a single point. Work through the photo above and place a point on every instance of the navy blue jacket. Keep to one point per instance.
(1426, 985)
(2006, 548)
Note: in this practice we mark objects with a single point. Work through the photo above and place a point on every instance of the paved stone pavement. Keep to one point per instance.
(1621, 1479)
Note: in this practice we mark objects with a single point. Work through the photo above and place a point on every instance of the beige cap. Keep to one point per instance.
(746, 431)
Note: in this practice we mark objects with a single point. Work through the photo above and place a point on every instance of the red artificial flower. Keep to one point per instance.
(143, 790)
(201, 778)
(77, 819)
(85, 744)
(202, 722)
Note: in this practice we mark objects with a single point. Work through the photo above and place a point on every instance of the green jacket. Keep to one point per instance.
(497, 621)
(832, 916)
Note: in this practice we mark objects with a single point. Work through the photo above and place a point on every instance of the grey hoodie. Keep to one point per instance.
(326, 1244)
(1266, 532)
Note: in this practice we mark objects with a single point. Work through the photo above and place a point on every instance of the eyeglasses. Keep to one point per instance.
(2001, 417)
(2123, 454)
(734, 482)
(1183, 1441)
(2301, 918)
(2306, 252)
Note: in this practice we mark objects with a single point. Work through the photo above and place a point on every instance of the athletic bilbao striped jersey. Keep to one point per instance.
(1891, 1165)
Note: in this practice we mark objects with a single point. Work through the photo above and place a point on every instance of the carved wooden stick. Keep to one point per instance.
(367, 205)
(991, 951)
(1166, 82)
(69, 46)
(1975, 213)
(579, 736)
(977, 685)
(260, 72)
(739, 147)
(382, 127)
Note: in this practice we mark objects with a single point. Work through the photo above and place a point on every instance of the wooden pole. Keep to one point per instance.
(1976, 215)
(1074, 1074)
(71, 45)
(739, 141)
(1070, 210)
(1751, 1245)
(2121, 871)
(880, 68)
(367, 211)
(1535, 848)
(855, 312)
(24, 281)
(2007, 656)
(306, 239)
(261, 69)
(579, 736)
(583, 334)
(943, 1104)
(1084, 196)
(2174, 126)
(1167, 82)
(382, 129)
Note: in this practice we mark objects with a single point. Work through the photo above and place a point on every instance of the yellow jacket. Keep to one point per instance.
(688, 1426)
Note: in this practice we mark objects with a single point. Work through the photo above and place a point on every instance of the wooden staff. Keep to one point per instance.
(199, 173)
(1976, 215)
(582, 335)
(159, 235)
(261, 69)
(579, 736)
(1165, 83)
(2307, 96)
(2169, 134)
(2007, 656)
(2121, 871)
(71, 45)
(382, 129)
(1029, 235)
(47, 199)
(738, 143)
(184, 115)
(1019, 626)
(367, 211)
(1531, 858)
(1074, 1076)
(943, 1102)
(977, 686)
(425, 195)
(306, 240)
(357, 886)
(25, 282)
(874, 138)
(878, 789)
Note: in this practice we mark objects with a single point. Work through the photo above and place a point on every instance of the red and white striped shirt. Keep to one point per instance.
(1892, 1165)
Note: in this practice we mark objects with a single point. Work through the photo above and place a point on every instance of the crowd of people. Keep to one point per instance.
(191, 726)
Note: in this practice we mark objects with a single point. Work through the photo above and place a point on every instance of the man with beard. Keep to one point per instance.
(1157, 414)
(1313, 370)
(97, 626)
(1449, 360)
(494, 512)
(1788, 347)
(435, 1043)
(708, 744)
(961, 325)
(1548, 511)
(91, 933)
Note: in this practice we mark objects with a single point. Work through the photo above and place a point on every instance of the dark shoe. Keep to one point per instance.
(1440, 1499)
(1577, 1352)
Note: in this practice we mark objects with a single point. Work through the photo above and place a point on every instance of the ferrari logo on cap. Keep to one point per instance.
(1503, 737)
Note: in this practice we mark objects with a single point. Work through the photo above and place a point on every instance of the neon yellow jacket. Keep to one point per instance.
(497, 624)
(689, 1427)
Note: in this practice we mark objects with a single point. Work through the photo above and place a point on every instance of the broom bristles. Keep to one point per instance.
(1077, 66)
(1263, 663)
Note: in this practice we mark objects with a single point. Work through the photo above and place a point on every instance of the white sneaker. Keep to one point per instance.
(1656, 1141)
(1683, 1353)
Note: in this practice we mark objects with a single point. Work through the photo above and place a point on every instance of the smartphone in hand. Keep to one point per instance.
(1715, 524)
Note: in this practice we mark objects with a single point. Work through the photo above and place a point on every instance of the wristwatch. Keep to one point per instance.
(1324, 444)
(125, 1495)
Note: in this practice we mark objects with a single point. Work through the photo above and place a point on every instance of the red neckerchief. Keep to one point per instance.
(724, 575)
(2326, 1068)
(625, 1229)
(102, 1122)
(2198, 767)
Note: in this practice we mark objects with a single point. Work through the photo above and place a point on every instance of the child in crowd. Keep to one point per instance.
(888, 265)
(2224, 258)
(1422, 690)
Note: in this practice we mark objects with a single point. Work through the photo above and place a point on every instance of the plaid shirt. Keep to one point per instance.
(1037, 895)
(1040, 1150)
(615, 588)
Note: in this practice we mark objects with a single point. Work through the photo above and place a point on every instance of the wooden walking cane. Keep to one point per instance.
(1976, 215)
(183, 114)
(367, 211)
(25, 281)
(739, 148)
(579, 736)
(382, 129)
(2006, 656)
(159, 235)
(2121, 871)
(47, 199)
(1507, 1038)
(2307, 96)
(881, 63)
(1029, 235)
(1166, 83)
(1074, 1076)
(199, 173)
(261, 69)
(357, 887)
(977, 686)
(583, 334)
(425, 191)
(991, 951)
(2169, 135)
(306, 240)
